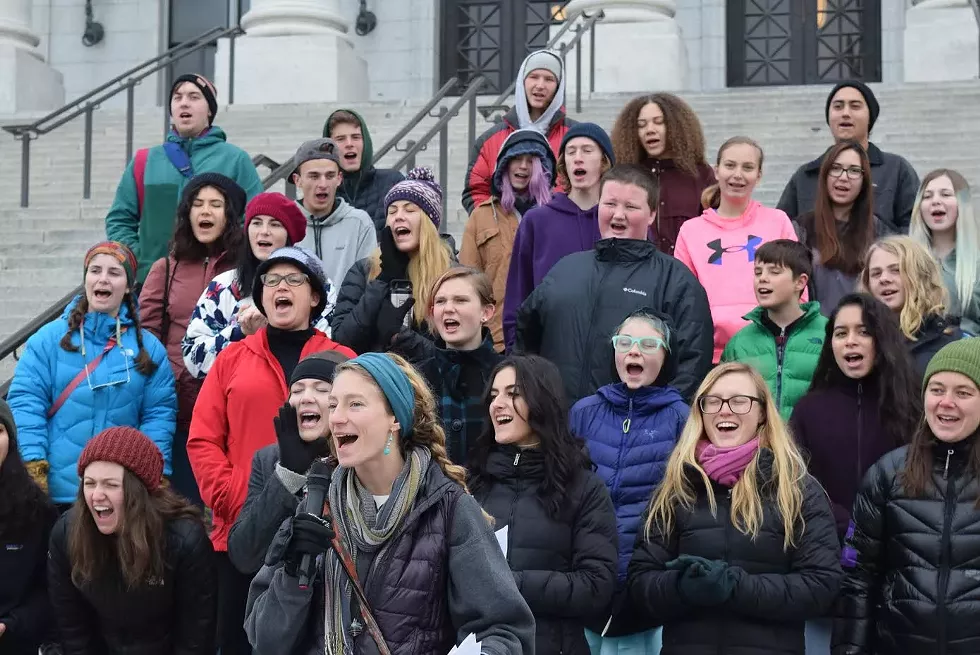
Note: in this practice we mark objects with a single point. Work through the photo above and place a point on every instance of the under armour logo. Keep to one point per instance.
(717, 250)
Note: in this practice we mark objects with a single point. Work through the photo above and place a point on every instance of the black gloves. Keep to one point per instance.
(391, 320)
(394, 262)
(294, 453)
(703, 582)
(310, 536)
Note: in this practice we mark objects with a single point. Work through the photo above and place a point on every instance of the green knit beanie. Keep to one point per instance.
(961, 356)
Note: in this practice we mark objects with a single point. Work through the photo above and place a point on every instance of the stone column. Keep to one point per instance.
(283, 41)
(639, 47)
(941, 41)
(27, 83)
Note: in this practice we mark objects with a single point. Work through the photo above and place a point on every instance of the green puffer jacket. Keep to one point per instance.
(149, 233)
(788, 370)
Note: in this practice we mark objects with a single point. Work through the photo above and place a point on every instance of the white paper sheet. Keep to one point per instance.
(470, 646)
(502, 538)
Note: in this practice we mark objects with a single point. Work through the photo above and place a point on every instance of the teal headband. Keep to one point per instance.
(394, 384)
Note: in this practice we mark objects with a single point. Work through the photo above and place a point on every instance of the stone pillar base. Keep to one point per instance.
(27, 83)
(275, 70)
(941, 42)
(639, 47)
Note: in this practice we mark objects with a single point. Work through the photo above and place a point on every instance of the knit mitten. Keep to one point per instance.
(38, 470)
(707, 585)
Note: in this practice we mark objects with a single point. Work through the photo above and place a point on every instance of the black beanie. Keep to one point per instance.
(869, 99)
(318, 366)
(206, 87)
(229, 188)
(7, 419)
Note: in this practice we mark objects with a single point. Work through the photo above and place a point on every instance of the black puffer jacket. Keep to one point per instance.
(570, 317)
(776, 592)
(24, 607)
(916, 587)
(175, 615)
(934, 333)
(565, 568)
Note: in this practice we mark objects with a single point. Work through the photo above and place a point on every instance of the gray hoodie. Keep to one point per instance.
(482, 595)
(340, 238)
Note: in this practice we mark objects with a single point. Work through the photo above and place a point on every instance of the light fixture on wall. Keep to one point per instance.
(366, 20)
(94, 32)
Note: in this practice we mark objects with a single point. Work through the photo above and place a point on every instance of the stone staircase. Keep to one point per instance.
(42, 246)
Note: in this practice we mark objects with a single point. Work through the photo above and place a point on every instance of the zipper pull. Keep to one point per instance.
(946, 470)
(629, 415)
(626, 426)
(517, 458)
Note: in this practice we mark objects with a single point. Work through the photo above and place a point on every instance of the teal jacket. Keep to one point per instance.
(788, 367)
(148, 232)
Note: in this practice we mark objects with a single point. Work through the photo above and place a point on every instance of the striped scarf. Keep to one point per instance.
(363, 529)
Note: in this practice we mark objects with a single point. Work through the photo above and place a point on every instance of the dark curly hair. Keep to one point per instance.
(685, 138)
(25, 507)
(899, 399)
(541, 386)
(185, 247)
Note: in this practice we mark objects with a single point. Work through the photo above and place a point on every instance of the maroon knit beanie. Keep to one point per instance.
(129, 448)
(281, 208)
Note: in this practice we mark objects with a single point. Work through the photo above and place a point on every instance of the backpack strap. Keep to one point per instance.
(178, 157)
(77, 380)
(139, 174)
(165, 318)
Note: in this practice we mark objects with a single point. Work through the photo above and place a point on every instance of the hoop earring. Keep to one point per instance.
(387, 450)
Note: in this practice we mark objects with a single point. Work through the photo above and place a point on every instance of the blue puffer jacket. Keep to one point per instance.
(631, 462)
(46, 369)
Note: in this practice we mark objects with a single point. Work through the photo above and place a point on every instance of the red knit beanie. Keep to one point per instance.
(129, 448)
(282, 209)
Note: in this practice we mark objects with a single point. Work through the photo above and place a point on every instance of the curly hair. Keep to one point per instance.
(685, 137)
(540, 385)
(899, 400)
(144, 363)
(925, 293)
(844, 256)
(25, 507)
(185, 247)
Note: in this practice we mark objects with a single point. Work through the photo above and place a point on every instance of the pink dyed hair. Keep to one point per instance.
(538, 187)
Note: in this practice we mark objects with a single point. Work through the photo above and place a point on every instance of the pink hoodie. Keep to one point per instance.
(721, 253)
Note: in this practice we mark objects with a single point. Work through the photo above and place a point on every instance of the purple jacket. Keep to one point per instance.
(545, 235)
(840, 432)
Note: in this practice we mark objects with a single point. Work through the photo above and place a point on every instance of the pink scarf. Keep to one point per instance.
(725, 465)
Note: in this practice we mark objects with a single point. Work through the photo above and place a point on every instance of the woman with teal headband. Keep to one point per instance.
(420, 547)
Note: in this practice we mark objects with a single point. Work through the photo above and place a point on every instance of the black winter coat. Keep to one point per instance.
(934, 333)
(366, 189)
(570, 317)
(916, 587)
(24, 607)
(776, 591)
(175, 615)
(565, 568)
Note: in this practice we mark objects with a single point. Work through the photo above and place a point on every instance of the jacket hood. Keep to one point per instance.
(625, 250)
(561, 203)
(544, 122)
(367, 156)
(341, 210)
(646, 400)
(874, 156)
(669, 368)
(514, 139)
(751, 213)
(213, 134)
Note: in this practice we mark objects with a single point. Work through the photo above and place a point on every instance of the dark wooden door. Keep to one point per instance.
(779, 42)
(492, 37)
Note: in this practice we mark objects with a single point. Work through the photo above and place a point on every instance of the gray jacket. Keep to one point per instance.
(968, 312)
(482, 596)
(895, 182)
(273, 495)
(339, 239)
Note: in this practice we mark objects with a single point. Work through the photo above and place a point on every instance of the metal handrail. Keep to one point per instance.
(419, 115)
(91, 101)
(975, 5)
(572, 23)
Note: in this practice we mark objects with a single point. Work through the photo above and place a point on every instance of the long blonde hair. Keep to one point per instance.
(425, 265)
(788, 472)
(925, 293)
(967, 273)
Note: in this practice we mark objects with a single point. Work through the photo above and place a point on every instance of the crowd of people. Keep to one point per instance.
(637, 412)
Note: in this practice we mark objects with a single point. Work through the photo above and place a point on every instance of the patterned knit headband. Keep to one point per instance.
(117, 251)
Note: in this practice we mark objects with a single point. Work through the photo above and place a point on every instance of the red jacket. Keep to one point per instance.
(188, 280)
(487, 146)
(233, 418)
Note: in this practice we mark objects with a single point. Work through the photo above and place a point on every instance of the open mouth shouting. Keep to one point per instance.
(185, 116)
(854, 361)
(102, 295)
(579, 174)
(634, 369)
(309, 419)
(450, 325)
(283, 304)
(401, 232)
(619, 227)
(350, 157)
(344, 441)
(265, 245)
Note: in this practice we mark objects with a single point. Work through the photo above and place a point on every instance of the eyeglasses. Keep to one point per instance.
(292, 279)
(111, 383)
(738, 404)
(853, 172)
(623, 343)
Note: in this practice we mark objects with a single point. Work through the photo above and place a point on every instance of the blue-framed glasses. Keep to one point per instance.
(623, 343)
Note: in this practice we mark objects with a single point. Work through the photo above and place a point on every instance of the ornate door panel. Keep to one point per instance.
(774, 42)
(492, 37)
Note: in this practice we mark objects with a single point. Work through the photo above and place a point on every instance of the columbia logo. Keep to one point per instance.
(635, 291)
